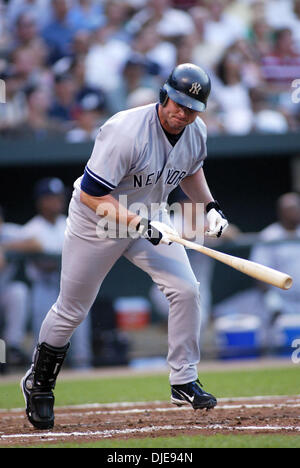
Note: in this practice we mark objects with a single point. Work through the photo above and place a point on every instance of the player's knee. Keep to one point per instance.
(187, 292)
(78, 318)
(71, 316)
(191, 291)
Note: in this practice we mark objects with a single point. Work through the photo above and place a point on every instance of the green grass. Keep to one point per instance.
(279, 381)
(186, 442)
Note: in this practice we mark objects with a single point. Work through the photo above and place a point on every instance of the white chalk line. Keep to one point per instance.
(108, 409)
(159, 410)
(128, 404)
(110, 433)
(145, 430)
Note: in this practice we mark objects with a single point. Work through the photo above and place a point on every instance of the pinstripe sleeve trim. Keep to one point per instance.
(100, 179)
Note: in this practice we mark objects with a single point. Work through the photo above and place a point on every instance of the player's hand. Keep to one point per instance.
(217, 222)
(155, 231)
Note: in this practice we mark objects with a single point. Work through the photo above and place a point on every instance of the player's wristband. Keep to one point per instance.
(215, 205)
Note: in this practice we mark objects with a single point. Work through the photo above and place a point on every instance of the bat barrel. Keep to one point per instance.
(261, 272)
(288, 283)
(255, 270)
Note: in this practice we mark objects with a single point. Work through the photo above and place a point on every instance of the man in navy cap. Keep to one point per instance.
(90, 116)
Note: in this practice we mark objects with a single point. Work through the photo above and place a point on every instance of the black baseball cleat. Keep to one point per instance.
(39, 382)
(192, 393)
(39, 404)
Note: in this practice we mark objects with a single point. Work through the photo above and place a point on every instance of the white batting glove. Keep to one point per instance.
(217, 222)
(155, 231)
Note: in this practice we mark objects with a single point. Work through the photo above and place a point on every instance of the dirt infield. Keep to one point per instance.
(256, 415)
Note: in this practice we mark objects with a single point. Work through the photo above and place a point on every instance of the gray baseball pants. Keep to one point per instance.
(85, 263)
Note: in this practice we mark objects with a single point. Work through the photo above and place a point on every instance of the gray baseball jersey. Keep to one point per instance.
(132, 156)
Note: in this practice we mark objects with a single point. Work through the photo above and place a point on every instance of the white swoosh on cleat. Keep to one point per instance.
(190, 399)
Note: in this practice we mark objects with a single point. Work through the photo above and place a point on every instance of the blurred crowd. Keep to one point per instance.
(70, 64)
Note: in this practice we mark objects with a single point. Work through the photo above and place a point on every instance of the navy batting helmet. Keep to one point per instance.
(188, 85)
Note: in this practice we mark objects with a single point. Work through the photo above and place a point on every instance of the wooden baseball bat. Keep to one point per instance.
(255, 270)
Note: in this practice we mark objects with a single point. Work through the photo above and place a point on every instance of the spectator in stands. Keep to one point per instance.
(38, 125)
(63, 105)
(28, 38)
(39, 9)
(135, 76)
(295, 24)
(222, 29)
(31, 67)
(170, 22)
(4, 34)
(76, 69)
(59, 33)
(26, 32)
(232, 95)
(90, 116)
(278, 13)
(47, 228)
(25, 65)
(282, 65)
(14, 112)
(86, 15)
(261, 37)
(244, 11)
(280, 68)
(81, 43)
(160, 54)
(68, 65)
(105, 60)
(185, 48)
(116, 16)
(267, 118)
(13, 298)
(204, 53)
(284, 14)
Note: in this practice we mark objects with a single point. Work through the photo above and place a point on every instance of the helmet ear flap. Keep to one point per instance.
(163, 96)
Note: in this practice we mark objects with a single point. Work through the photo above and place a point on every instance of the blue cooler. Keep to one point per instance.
(286, 330)
(238, 336)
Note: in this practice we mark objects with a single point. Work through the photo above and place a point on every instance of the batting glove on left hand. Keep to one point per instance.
(155, 231)
(217, 222)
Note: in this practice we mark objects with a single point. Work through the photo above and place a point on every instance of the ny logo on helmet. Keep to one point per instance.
(195, 88)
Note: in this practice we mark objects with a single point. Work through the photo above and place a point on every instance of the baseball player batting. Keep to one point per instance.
(143, 154)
